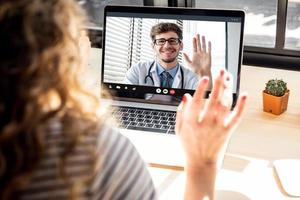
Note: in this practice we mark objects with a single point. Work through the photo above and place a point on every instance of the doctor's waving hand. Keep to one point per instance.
(165, 70)
(201, 61)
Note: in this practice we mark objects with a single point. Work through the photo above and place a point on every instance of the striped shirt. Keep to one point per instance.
(120, 172)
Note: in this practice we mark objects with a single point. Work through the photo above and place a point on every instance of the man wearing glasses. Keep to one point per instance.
(165, 70)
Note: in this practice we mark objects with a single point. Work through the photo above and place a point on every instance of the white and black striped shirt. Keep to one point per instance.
(120, 174)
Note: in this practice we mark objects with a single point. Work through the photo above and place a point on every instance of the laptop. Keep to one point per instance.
(146, 112)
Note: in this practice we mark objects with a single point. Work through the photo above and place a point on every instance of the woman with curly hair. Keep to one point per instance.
(56, 141)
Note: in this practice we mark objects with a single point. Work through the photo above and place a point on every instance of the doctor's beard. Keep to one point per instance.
(169, 60)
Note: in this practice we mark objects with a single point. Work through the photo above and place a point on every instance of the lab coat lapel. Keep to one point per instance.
(154, 75)
(177, 79)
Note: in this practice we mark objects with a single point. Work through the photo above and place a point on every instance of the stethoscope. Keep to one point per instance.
(151, 78)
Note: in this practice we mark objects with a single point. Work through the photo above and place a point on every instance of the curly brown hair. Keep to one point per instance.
(39, 70)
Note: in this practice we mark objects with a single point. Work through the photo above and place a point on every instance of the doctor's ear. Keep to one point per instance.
(152, 45)
(153, 48)
(181, 46)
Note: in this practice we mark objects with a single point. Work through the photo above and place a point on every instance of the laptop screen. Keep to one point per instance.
(156, 55)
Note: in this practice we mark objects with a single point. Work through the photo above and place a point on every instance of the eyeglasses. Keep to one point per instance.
(162, 41)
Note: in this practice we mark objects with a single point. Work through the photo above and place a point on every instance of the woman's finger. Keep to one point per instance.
(224, 105)
(227, 93)
(217, 90)
(181, 112)
(237, 112)
(178, 118)
(198, 97)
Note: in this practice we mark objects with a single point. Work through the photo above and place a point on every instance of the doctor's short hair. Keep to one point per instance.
(165, 27)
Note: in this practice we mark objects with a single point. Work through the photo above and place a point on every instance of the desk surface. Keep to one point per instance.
(247, 171)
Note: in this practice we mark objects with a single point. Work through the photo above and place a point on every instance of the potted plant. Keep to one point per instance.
(275, 96)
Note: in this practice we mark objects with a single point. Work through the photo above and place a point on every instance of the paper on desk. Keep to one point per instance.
(288, 172)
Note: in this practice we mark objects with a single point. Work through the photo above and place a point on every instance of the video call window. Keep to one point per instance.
(128, 42)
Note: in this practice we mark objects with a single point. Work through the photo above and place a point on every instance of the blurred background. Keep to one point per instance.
(272, 27)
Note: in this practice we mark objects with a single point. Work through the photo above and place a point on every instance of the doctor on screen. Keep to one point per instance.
(165, 70)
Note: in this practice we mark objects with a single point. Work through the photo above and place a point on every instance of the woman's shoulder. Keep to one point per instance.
(121, 168)
(110, 136)
(115, 149)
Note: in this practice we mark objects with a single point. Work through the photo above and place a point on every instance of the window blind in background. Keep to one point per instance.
(117, 48)
(142, 49)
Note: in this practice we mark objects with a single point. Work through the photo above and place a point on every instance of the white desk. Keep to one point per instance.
(260, 139)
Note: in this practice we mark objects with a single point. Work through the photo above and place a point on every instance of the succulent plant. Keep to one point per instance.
(276, 87)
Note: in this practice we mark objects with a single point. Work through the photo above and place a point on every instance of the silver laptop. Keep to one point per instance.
(145, 101)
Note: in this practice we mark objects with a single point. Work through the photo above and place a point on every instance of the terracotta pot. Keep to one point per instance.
(274, 104)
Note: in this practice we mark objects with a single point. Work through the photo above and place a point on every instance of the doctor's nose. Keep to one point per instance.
(167, 44)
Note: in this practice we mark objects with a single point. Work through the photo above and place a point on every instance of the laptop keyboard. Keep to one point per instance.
(146, 119)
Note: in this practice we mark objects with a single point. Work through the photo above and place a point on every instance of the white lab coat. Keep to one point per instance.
(136, 75)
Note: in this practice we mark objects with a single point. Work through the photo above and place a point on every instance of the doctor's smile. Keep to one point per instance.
(169, 55)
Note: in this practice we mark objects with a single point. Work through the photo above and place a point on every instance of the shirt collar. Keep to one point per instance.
(172, 71)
